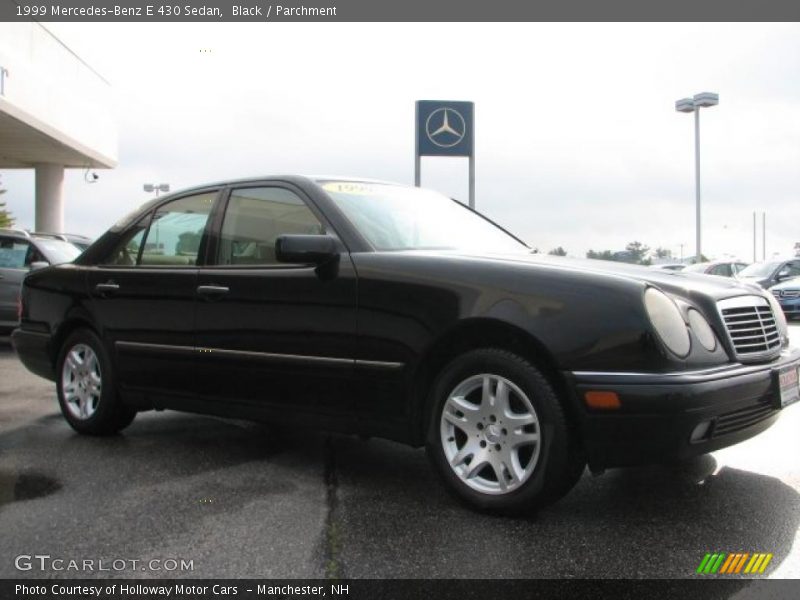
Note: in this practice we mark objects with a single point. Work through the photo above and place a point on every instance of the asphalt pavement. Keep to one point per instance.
(236, 499)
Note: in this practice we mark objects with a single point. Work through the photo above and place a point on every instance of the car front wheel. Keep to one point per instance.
(499, 436)
(86, 390)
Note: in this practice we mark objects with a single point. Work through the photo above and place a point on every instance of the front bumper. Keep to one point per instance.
(660, 412)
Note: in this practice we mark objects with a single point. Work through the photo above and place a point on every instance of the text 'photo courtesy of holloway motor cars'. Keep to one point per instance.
(383, 310)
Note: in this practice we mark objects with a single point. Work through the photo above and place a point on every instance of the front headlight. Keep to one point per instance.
(667, 321)
(702, 330)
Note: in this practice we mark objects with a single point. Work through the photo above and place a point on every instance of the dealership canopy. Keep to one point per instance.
(55, 113)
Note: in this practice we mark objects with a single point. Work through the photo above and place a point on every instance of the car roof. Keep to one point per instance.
(313, 179)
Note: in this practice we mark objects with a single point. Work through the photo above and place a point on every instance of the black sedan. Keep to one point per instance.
(378, 309)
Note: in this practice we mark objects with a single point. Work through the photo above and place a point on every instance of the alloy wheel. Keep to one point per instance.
(490, 434)
(81, 381)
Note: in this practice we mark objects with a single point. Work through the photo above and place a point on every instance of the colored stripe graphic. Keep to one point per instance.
(727, 564)
(734, 563)
(703, 563)
(741, 562)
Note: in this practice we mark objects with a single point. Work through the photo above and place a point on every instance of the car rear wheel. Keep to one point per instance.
(499, 436)
(86, 390)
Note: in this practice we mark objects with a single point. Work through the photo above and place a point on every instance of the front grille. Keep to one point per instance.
(791, 293)
(742, 419)
(751, 325)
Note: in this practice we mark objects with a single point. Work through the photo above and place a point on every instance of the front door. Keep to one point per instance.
(274, 337)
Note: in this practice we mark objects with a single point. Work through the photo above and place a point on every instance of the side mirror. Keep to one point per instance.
(305, 249)
(39, 264)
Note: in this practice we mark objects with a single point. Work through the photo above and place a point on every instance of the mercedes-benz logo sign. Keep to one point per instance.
(445, 127)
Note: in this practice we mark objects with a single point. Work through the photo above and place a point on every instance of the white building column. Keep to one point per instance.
(49, 198)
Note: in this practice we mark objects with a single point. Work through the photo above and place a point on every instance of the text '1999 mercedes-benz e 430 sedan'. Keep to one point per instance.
(390, 311)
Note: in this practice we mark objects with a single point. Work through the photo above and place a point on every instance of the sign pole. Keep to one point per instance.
(472, 181)
(417, 160)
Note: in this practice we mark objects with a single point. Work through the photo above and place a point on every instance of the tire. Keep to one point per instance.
(86, 387)
(492, 406)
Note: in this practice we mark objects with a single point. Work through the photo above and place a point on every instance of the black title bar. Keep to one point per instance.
(399, 10)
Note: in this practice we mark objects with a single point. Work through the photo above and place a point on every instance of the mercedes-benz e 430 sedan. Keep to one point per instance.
(391, 311)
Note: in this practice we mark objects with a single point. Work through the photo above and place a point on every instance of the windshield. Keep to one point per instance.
(394, 217)
(697, 268)
(58, 251)
(759, 269)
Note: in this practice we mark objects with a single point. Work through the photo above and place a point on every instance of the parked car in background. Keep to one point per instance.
(721, 268)
(787, 293)
(80, 241)
(20, 252)
(393, 311)
(767, 274)
(669, 267)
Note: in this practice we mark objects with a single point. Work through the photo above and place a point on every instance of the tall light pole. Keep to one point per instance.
(694, 104)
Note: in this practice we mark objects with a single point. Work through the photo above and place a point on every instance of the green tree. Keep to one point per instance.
(601, 255)
(662, 252)
(638, 253)
(558, 252)
(6, 220)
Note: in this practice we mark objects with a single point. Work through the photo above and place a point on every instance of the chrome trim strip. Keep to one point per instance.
(742, 302)
(168, 348)
(266, 356)
(379, 364)
(698, 376)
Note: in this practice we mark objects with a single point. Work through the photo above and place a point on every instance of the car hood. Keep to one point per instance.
(789, 284)
(679, 282)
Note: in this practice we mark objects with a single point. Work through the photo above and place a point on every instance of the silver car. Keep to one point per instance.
(20, 252)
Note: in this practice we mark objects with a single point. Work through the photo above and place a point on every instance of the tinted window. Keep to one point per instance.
(793, 268)
(13, 253)
(254, 219)
(176, 230)
(126, 252)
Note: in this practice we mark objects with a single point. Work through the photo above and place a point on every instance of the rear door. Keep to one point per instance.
(274, 336)
(144, 297)
(14, 253)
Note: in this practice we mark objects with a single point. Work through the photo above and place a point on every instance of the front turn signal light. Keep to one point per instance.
(602, 400)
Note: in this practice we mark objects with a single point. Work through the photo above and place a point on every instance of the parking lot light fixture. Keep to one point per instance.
(155, 187)
(688, 105)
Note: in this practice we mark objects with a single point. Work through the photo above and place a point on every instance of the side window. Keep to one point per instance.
(34, 255)
(176, 230)
(126, 252)
(254, 219)
(794, 269)
(723, 270)
(13, 253)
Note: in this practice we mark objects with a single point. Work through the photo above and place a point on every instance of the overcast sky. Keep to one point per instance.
(578, 143)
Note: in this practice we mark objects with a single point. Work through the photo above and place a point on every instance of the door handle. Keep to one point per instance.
(106, 289)
(212, 291)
